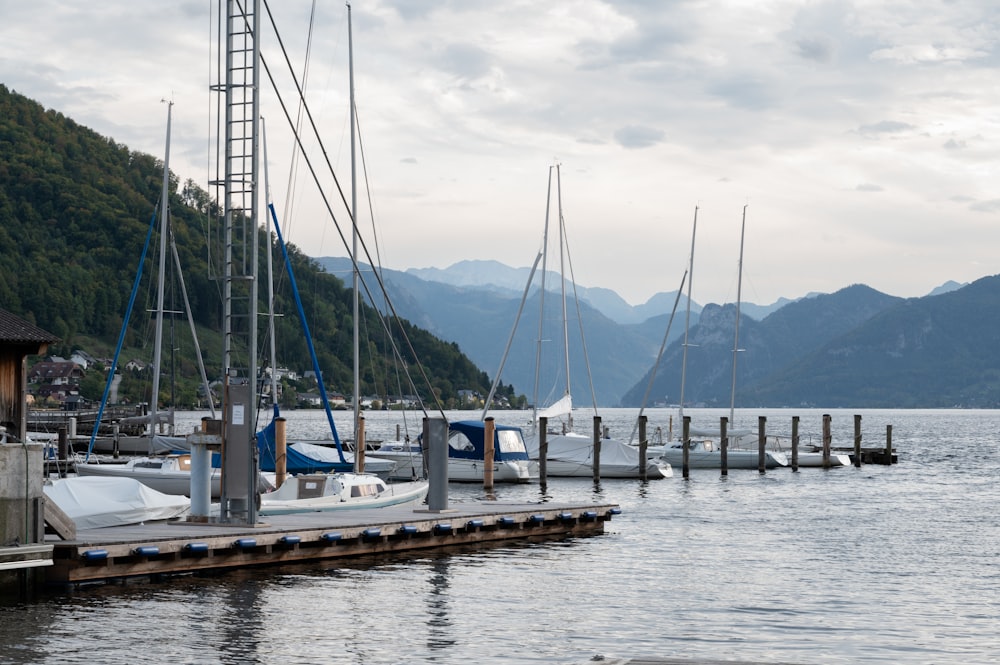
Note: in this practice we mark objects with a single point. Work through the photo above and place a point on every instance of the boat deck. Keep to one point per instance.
(183, 547)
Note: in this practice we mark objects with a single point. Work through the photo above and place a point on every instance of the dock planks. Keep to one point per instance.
(183, 547)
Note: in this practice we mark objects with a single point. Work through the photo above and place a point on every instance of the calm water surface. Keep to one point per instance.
(879, 564)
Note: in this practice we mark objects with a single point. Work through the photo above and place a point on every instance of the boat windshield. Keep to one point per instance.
(511, 441)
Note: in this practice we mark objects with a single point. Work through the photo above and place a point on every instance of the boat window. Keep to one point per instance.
(370, 489)
(459, 441)
(511, 441)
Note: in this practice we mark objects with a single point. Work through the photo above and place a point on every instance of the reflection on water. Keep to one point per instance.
(877, 564)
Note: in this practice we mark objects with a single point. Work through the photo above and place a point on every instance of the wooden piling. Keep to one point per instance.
(857, 440)
(488, 454)
(888, 442)
(543, 450)
(597, 449)
(761, 444)
(827, 437)
(724, 452)
(280, 451)
(359, 446)
(63, 450)
(643, 445)
(686, 446)
(795, 443)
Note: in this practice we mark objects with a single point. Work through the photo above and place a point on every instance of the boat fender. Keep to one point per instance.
(371, 533)
(196, 548)
(565, 517)
(95, 555)
(244, 543)
(505, 521)
(407, 529)
(331, 537)
(537, 518)
(146, 550)
(291, 540)
(442, 528)
(474, 524)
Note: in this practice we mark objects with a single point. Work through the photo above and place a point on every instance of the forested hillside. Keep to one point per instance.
(75, 209)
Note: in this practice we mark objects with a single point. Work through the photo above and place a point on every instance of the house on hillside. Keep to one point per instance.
(56, 373)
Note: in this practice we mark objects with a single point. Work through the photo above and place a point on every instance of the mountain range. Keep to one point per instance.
(856, 347)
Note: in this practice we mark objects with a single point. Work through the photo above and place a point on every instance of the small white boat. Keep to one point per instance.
(814, 458)
(99, 502)
(324, 492)
(170, 474)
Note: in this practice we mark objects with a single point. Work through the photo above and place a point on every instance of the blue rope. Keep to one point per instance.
(121, 335)
(305, 327)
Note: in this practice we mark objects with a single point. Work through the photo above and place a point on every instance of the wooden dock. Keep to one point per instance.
(183, 547)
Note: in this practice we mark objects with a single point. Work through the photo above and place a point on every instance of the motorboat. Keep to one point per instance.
(94, 502)
(170, 474)
(323, 492)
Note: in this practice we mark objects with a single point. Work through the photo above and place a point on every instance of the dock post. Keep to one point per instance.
(597, 449)
(686, 447)
(724, 451)
(436, 443)
(359, 446)
(643, 445)
(116, 429)
(543, 451)
(488, 453)
(280, 451)
(857, 440)
(761, 444)
(63, 451)
(827, 437)
(795, 443)
(888, 444)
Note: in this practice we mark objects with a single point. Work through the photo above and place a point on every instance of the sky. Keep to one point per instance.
(856, 134)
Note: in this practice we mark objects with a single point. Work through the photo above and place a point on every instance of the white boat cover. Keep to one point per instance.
(579, 448)
(94, 501)
(560, 408)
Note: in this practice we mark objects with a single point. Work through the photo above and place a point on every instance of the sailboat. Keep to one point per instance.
(155, 439)
(703, 449)
(569, 453)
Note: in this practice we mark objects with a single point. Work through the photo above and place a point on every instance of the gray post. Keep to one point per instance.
(686, 447)
(761, 443)
(643, 445)
(857, 440)
(827, 438)
(543, 450)
(724, 451)
(795, 443)
(436, 444)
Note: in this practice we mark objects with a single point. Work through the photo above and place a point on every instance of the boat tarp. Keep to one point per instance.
(572, 447)
(95, 501)
(466, 440)
(302, 457)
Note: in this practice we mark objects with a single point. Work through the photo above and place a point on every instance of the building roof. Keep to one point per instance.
(14, 329)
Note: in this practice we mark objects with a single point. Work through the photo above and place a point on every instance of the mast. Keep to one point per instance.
(354, 246)
(541, 301)
(164, 229)
(562, 282)
(736, 340)
(687, 319)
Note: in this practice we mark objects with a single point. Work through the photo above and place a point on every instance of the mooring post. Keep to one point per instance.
(597, 449)
(488, 456)
(724, 452)
(435, 442)
(643, 445)
(359, 446)
(685, 446)
(827, 437)
(857, 440)
(888, 444)
(761, 443)
(795, 443)
(543, 450)
(63, 451)
(280, 451)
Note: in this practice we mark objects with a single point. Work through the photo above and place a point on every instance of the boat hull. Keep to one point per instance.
(409, 465)
(735, 459)
(394, 494)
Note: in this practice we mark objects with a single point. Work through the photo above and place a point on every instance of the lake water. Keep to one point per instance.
(878, 564)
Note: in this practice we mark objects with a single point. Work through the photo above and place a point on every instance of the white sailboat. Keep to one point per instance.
(704, 451)
(569, 453)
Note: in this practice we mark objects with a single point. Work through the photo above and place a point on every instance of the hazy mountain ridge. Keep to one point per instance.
(476, 311)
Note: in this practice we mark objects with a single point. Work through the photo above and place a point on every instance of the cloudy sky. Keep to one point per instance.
(861, 135)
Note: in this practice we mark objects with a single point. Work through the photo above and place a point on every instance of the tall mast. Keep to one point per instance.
(739, 297)
(354, 247)
(562, 282)
(164, 230)
(541, 300)
(687, 319)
